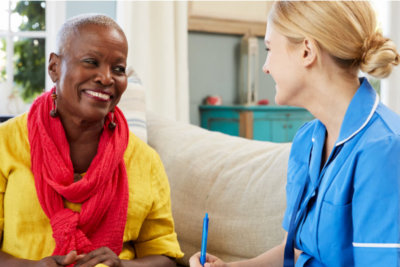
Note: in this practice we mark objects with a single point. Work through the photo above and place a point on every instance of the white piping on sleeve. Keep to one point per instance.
(376, 245)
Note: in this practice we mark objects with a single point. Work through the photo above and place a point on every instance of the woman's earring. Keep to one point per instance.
(112, 124)
(53, 111)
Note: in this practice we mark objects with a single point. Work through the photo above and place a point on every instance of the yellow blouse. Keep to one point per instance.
(25, 229)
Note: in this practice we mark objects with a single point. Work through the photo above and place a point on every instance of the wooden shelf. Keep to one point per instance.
(225, 26)
(229, 17)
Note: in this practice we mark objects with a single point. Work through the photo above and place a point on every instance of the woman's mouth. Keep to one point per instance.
(98, 95)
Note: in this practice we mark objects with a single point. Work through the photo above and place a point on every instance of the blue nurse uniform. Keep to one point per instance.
(349, 214)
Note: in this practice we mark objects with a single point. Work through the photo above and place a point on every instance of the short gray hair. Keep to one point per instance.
(73, 24)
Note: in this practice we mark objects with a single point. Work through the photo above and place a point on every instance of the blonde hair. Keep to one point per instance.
(347, 30)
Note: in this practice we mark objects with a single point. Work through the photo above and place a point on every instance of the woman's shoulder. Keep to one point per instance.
(304, 134)
(381, 138)
(14, 142)
(137, 149)
(382, 131)
(388, 120)
(143, 163)
(14, 128)
(17, 120)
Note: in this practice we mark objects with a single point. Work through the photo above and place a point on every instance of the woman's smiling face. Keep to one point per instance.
(284, 65)
(90, 72)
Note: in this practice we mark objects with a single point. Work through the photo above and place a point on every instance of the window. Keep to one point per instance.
(381, 10)
(27, 35)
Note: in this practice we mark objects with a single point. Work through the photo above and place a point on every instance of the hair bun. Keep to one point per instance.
(379, 55)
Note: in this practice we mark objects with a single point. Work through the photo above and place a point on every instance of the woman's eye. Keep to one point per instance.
(267, 49)
(119, 69)
(90, 61)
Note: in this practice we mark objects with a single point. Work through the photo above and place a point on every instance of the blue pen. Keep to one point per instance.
(204, 240)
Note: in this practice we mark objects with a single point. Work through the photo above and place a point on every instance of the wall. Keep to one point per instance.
(213, 61)
(74, 8)
(214, 70)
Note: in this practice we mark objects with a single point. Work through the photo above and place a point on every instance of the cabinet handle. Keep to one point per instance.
(284, 126)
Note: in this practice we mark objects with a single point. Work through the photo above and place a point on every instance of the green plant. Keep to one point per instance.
(29, 53)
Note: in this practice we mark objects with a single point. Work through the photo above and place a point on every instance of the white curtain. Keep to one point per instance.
(391, 85)
(158, 51)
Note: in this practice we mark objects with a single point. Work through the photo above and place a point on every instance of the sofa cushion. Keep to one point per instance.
(239, 182)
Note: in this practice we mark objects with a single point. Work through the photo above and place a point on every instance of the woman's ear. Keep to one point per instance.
(309, 53)
(54, 67)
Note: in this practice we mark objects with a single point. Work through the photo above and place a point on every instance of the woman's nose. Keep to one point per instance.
(104, 76)
(265, 68)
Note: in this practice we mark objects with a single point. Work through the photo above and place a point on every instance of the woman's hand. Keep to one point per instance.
(102, 255)
(211, 261)
(58, 260)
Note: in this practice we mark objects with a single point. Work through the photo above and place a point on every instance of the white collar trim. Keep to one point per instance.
(365, 123)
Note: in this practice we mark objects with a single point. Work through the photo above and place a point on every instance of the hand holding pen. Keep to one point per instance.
(203, 258)
(211, 261)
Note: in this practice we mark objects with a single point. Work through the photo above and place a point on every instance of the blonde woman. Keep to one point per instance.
(343, 188)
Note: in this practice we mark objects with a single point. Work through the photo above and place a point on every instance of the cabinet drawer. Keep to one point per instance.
(275, 124)
(225, 121)
(276, 130)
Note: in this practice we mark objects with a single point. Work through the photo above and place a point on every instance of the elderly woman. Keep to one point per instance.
(76, 186)
(343, 187)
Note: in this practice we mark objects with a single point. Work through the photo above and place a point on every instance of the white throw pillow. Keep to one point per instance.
(133, 105)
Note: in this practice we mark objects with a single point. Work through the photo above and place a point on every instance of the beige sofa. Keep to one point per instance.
(239, 182)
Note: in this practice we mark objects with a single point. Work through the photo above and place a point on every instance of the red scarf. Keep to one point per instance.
(103, 191)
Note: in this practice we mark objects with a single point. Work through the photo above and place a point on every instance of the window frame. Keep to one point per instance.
(55, 17)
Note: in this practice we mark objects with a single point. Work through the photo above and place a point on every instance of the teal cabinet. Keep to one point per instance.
(265, 123)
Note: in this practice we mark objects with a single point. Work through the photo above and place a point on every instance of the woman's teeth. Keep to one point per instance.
(99, 95)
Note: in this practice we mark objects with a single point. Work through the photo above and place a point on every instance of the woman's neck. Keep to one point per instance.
(331, 100)
(83, 138)
(79, 130)
(329, 104)
(329, 90)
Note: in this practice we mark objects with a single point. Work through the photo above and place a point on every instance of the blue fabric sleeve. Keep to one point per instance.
(306, 260)
(297, 168)
(289, 209)
(376, 204)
